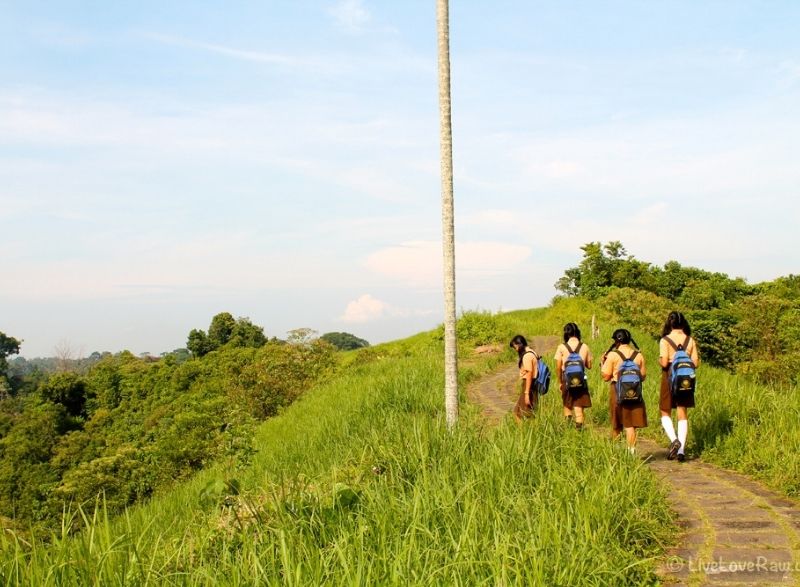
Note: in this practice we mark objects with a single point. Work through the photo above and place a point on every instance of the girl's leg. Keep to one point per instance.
(683, 428)
(578, 416)
(669, 427)
(630, 438)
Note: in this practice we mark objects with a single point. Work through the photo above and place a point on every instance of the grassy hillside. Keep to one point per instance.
(739, 423)
(359, 482)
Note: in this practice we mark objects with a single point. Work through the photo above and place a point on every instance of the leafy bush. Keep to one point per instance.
(638, 308)
(475, 327)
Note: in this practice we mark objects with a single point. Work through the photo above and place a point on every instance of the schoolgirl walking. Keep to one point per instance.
(572, 358)
(528, 371)
(624, 366)
(677, 389)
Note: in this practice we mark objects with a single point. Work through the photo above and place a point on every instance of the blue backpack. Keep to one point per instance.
(574, 370)
(682, 369)
(542, 382)
(629, 380)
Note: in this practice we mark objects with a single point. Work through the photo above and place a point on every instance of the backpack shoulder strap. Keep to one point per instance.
(532, 352)
(634, 355)
(671, 342)
(566, 344)
(578, 348)
(686, 343)
(619, 352)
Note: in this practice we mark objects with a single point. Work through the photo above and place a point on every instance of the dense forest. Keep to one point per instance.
(123, 427)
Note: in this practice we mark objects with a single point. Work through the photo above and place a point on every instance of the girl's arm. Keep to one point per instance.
(606, 371)
(663, 353)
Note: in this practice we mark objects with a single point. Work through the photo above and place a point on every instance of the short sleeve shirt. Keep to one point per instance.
(613, 361)
(528, 364)
(665, 349)
(562, 352)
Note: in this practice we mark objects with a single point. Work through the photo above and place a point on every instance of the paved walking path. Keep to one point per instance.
(735, 531)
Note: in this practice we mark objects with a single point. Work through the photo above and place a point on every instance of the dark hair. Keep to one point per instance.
(519, 339)
(571, 329)
(621, 336)
(676, 321)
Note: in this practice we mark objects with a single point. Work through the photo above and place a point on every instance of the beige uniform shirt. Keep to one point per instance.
(562, 352)
(613, 362)
(529, 364)
(666, 353)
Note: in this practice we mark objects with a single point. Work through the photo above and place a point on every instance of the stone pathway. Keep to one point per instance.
(735, 531)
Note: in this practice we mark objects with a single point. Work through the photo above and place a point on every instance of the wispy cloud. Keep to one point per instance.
(240, 54)
(350, 15)
(367, 308)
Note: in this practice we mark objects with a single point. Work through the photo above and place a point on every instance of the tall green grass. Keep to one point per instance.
(738, 423)
(360, 483)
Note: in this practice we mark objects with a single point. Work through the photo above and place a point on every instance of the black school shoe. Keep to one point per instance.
(673, 449)
(681, 457)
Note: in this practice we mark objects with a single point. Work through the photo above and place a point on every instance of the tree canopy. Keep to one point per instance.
(344, 341)
(223, 331)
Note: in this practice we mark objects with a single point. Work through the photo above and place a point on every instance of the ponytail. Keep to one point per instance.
(621, 336)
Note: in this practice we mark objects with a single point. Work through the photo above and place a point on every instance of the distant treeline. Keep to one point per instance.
(125, 427)
(753, 330)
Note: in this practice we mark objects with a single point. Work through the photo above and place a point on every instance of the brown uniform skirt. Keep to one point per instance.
(667, 402)
(571, 400)
(520, 409)
(627, 415)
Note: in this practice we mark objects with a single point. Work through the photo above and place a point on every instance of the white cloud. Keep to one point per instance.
(369, 309)
(351, 15)
(365, 309)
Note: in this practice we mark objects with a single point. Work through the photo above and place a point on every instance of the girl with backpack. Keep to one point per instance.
(622, 360)
(572, 359)
(528, 371)
(676, 336)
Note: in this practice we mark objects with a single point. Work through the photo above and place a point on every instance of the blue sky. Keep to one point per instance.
(164, 161)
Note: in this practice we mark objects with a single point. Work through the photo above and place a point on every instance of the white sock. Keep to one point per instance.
(683, 432)
(669, 427)
(632, 450)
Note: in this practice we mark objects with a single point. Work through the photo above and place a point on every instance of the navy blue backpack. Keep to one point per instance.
(682, 369)
(629, 380)
(542, 382)
(574, 370)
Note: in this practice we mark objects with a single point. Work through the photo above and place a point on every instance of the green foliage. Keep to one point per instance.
(475, 327)
(220, 330)
(198, 343)
(362, 483)
(639, 308)
(8, 346)
(714, 329)
(787, 288)
(68, 390)
(224, 331)
(344, 341)
(752, 330)
(608, 266)
(130, 427)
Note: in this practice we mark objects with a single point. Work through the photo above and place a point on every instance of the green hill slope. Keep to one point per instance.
(359, 482)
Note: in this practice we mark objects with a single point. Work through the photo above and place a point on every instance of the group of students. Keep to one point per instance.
(624, 367)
